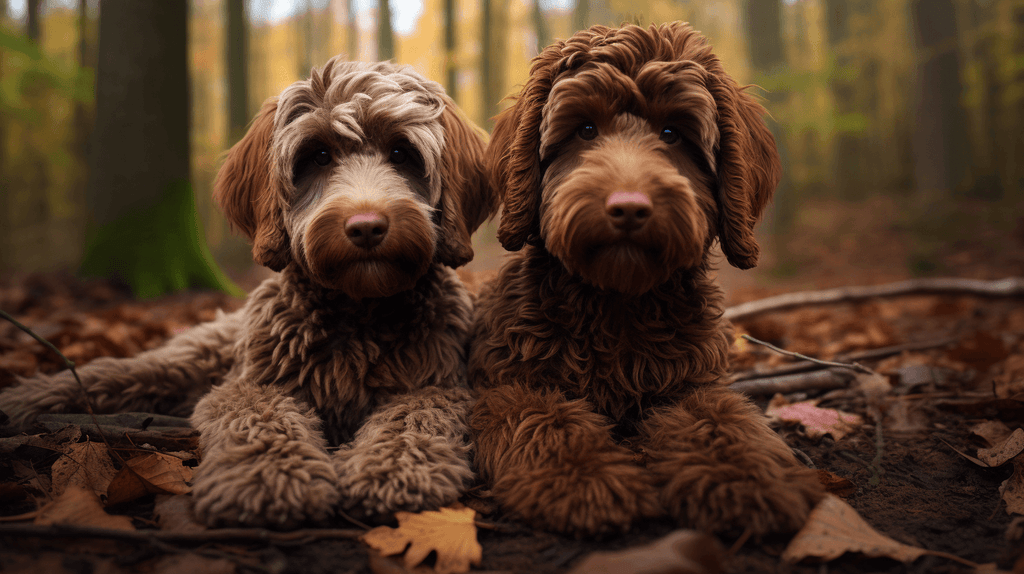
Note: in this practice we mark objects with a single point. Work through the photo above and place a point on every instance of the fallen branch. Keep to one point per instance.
(852, 366)
(815, 380)
(71, 366)
(1009, 287)
(197, 538)
(870, 354)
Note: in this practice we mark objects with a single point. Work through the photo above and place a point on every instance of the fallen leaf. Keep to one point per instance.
(817, 421)
(449, 532)
(998, 455)
(174, 513)
(151, 473)
(86, 464)
(679, 552)
(835, 484)
(834, 528)
(993, 432)
(79, 506)
(1012, 489)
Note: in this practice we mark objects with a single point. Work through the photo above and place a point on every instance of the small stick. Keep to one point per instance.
(856, 356)
(854, 366)
(71, 366)
(199, 538)
(815, 380)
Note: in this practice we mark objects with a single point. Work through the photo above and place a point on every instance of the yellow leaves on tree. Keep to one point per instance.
(449, 532)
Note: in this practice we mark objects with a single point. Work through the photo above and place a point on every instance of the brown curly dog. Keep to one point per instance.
(599, 350)
(361, 186)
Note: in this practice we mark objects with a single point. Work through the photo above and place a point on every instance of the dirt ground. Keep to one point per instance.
(906, 478)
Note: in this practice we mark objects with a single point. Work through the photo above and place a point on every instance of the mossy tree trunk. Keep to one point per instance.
(144, 223)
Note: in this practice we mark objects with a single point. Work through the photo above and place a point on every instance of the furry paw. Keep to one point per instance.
(281, 487)
(412, 471)
(580, 497)
(733, 498)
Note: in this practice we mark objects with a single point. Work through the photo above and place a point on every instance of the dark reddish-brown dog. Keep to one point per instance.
(600, 348)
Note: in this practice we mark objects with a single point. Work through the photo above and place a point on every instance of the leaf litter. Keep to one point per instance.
(929, 498)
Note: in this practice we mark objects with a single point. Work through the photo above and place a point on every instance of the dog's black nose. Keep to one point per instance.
(628, 210)
(366, 230)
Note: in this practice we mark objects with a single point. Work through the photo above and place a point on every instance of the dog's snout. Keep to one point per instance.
(628, 210)
(366, 230)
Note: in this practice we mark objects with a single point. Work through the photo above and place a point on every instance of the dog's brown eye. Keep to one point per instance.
(587, 131)
(670, 135)
(321, 157)
(398, 155)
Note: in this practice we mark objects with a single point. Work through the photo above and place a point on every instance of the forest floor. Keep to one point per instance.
(929, 457)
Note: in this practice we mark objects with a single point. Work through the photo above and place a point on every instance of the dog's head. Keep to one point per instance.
(627, 152)
(362, 175)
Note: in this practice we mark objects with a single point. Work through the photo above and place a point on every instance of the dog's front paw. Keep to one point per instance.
(579, 497)
(410, 472)
(280, 488)
(739, 497)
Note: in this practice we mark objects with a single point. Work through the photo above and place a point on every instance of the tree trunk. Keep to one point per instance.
(495, 33)
(32, 23)
(540, 27)
(451, 72)
(237, 69)
(939, 131)
(763, 23)
(385, 34)
(581, 15)
(139, 195)
(352, 39)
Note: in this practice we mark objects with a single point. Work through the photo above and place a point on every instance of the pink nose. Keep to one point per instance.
(628, 210)
(366, 230)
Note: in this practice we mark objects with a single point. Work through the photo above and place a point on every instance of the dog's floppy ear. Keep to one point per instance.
(246, 192)
(748, 168)
(513, 156)
(467, 198)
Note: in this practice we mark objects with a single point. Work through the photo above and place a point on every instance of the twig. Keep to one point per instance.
(854, 366)
(1009, 287)
(868, 354)
(71, 366)
(198, 538)
(816, 380)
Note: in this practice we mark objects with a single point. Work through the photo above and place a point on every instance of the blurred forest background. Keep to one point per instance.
(901, 122)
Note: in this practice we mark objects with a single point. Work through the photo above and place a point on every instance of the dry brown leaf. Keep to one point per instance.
(834, 528)
(835, 484)
(86, 464)
(1000, 454)
(817, 422)
(151, 473)
(992, 432)
(1013, 488)
(449, 532)
(679, 552)
(174, 513)
(79, 506)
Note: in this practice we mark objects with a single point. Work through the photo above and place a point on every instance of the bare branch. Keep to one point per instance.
(1009, 287)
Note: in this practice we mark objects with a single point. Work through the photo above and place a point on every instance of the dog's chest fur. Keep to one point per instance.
(345, 357)
(541, 325)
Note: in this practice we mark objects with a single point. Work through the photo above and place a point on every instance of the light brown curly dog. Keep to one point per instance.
(600, 348)
(361, 186)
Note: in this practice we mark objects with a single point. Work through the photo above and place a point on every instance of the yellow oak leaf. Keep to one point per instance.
(449, 532)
